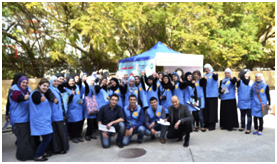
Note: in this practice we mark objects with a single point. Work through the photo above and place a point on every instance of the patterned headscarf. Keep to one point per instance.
(259, 85)
(19, 83)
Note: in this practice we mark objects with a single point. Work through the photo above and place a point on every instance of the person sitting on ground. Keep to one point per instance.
(180, 119)
(111, 115)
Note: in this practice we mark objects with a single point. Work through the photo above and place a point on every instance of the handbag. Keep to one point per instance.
(264, 107)
(92, 105)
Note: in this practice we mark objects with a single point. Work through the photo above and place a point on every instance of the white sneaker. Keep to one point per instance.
(157, 134)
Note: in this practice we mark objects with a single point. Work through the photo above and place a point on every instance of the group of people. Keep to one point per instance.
(56, 110)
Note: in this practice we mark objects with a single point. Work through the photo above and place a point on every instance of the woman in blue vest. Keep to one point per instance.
(75, 110)
(101, 93)
(152, 90)
(19, 112)
(179, 89)
(117, 89)
(244, 85)
(165, 92)
(40, 117)
(260, 99)
(200, 84)
(134, 121)
(59, 142)
(91, 118)
(141, 92)
(211, 98)
(228, 105)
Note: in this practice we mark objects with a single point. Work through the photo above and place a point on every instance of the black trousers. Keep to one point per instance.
(75, 129)
(91, 124)
(261, 121)
(182, 128)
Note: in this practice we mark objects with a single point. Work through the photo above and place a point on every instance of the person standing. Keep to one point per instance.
(228, 105)
(165, 92)
(211, 98)
(118, 89)
(244, 84)
(260, 100)
(180, 119)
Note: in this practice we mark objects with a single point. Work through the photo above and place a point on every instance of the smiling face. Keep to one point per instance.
(247, 75)
(24, 84)
(189, 77)
(207, 70)
(132, 101)
(71, 82)
(113, 101)
(61, 80)
(154, 104)
(113, 83)
(175, 102)
(165, 80)
(76, 78)
(55, 83)
(196, 76)
(227, 74)
(258, 78)
(174, 77)
(179, 73)
(43, 87)
(131, 83)
(137, 80)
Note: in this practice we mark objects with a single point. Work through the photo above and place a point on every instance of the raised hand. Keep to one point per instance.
(181, 80)
(26, 97)
(193, 81)
(206, 77)
(238, 79)
(214, 73)
(56, 101)
(42, 98)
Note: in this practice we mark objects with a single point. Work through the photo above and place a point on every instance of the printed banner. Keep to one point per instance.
(147, 65)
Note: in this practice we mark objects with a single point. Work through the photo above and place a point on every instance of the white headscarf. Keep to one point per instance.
(51, 84)
(227, 78)
(211, 69)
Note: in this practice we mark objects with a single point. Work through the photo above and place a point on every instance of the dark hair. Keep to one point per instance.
(196, 71)
(132, 96)
(42, 81)
(114, 95)
(153, 98)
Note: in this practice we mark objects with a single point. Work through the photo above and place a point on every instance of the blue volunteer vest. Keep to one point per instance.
(154, 117)
(85, 105)
(256, 105)
(232, 91)
(117, 91)
(128, 93)
(40, 117)
(132, 120)
(200, 94)
(101, 98)
(166, 103)
(187, 96)
(19, 112)
(57, 109)
(151, 93)
(179, 93)
(75, 110)
(244, 99)
(143, 96)
(212, 87)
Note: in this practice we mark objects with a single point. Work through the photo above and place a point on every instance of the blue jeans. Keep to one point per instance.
(43, 145)
(247, 112)
(157, 127)
(198, 117)
(140, 131)
(120, 128)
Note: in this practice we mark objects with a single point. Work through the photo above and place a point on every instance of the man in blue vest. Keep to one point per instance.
(134, 120)
(152, 115)
(111, 115)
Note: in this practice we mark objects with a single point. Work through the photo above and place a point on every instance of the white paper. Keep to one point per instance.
(161, 121)
(193, 101)
(226, 89)
(104, 128)
(193, 106)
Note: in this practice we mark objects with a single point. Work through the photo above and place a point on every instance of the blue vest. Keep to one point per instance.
(85, 105)
(57, 109)
(212, 87)
(128, 93)
(19, 111)
(101, 98)
(187, 96)
(157, 115)
(134, 119)
(143, 96)
(151, 93)
(117, 91)
(40, 117)
(75, 110)
(244, 99)
(166, 103)
(256, 105)
(200, 94)
(179, 93)
(232, 91)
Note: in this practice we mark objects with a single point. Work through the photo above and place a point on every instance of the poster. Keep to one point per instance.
(147, 65)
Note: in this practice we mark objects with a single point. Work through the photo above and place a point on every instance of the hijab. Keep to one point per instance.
(211, 70)
(178, 78)
(117, 84)
(186, 76)
(137, 84)
(259, 85)
(19, 83)
(151, 78)
(89, 82)
(242, 77)
(67, 83)
(17, 76)
(167, 85)
(59, 75)
(125, 72)
(227, 78)
(51, 80)
(105, 86)
(131, 88)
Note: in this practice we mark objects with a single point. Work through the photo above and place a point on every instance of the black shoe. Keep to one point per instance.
(203, 130)
(180, 138)
(80, 139)
(153, 137)
(247, 132)
(47, 155)
(120, 144)
(87, 138)
(241, 129)
(112, 134)
(75, 140)
(93, 137)
(211, 129)
(70, 138)
(186, 144)
(195, 130)
(139, 142)
(41, 159)
(63, 152)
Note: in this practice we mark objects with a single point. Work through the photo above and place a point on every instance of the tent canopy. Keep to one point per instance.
(150, 54)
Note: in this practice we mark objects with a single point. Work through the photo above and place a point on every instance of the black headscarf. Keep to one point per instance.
(242, 77)
(60, 75)
(17, 76)
(117, 84)
(167, 85)
(67, 83)
(135, 81)
(161, 73)
(186, 75)
(151, 78)
(104, 87)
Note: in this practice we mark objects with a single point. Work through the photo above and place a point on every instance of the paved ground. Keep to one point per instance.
(211, 146)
